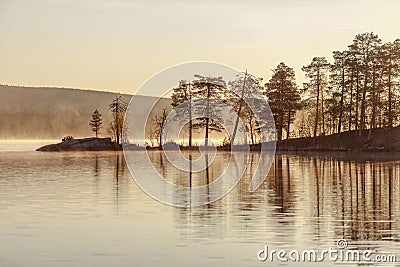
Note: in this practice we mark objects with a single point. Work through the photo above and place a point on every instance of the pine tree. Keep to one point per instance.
(182, 102)
(390, 56)
(283, 97)
(206, 89)
(365, 47)
(316, 71)
(95, 122)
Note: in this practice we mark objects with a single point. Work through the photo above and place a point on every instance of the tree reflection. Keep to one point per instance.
(332, 197)
(358, 195)
(120, 179)
(96, 166)
(280, 183)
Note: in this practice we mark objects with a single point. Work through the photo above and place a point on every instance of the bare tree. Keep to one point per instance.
(159, 122)
(118, 108)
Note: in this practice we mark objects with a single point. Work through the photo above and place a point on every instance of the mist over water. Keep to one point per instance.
(52, 113)
(24, 145)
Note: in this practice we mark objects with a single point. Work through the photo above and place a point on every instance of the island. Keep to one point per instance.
(84, 144)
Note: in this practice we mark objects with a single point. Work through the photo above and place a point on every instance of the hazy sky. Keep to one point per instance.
(117, 45)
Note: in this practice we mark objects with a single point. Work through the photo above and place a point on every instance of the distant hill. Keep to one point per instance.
(51, 113)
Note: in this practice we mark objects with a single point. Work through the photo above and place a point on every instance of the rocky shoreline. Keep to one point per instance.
(84, 144)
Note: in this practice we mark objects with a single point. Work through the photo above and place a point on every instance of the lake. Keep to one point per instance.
(84, 209)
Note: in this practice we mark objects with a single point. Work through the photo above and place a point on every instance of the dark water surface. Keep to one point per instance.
(84, 209)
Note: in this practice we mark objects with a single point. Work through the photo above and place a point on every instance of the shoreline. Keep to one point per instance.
(375, 140)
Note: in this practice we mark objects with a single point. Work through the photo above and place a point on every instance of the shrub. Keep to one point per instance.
(68, 137)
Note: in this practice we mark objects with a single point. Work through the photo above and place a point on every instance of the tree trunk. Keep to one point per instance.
(351, 99)
(117, 134)
(364, 93)
(280, 127)
(190, 123)
(240, 108)
(316, 112)
(322, 111)
(390, 113)
(207, 114)
(374, 102)
(163, 119)
(357, 101)
(341, 104)
(117, 122)
(251, 131)
(288, 126)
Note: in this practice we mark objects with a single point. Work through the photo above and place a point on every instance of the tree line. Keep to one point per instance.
(358, 91)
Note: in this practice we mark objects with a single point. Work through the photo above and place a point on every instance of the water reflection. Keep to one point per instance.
(91, 201)
(190, 178)
(315, 199)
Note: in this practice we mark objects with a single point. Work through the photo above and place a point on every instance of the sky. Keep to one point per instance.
(118, 45)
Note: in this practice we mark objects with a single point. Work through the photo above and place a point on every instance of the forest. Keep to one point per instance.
(357, 91)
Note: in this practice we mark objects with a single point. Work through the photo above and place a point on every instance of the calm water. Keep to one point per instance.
(84, 209)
